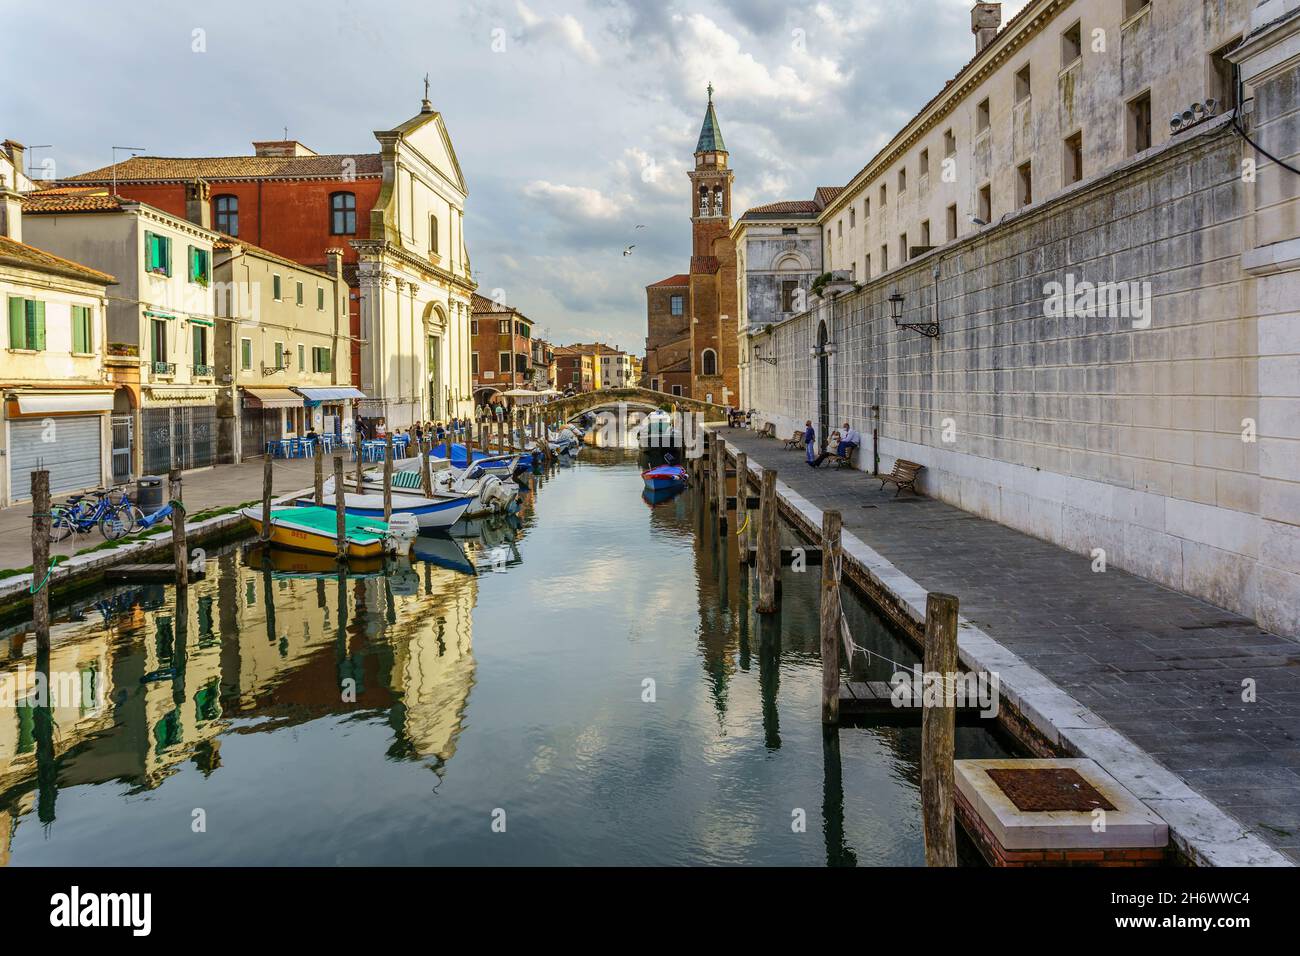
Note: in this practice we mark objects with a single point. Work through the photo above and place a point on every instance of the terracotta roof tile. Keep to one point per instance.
(29, 257)
(789, 207)
(169, 168)
(86, 200)
(826, 195)
(678, 280)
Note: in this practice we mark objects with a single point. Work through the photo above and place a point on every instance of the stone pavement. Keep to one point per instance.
(1164, 669)
(217, 487)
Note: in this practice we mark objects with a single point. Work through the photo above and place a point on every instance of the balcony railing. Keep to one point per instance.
(203, 371)
(164, 368)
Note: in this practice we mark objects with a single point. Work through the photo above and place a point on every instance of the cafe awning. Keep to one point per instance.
(272, 398)
(339, 393)
(54, 403)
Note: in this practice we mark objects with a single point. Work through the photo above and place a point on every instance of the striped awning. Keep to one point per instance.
(272, 398)
(338, 393)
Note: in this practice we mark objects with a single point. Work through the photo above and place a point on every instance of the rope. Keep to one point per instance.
(49, 571)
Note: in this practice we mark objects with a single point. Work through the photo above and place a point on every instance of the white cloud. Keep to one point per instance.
(570, 202)
(565, 28)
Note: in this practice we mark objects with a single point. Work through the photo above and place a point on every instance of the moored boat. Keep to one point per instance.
(665, 478)
(429, 514)
(313, 529)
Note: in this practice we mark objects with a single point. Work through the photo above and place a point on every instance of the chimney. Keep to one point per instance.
(985, 22)
(281, 148)
(16, 151)
(11, 210)
(334, 262)
(198, 206)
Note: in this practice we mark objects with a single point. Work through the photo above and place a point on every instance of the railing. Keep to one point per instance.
(164, 368)
(203, 371)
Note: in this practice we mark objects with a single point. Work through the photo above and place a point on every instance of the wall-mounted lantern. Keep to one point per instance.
(930, 329)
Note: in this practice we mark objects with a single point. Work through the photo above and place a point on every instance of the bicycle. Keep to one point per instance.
(83, 513)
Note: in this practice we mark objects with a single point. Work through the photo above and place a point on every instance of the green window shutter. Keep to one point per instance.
(150, 251)
(17, 323)
(79, 329)
(194, 264)
(166, 254)
(36, 334)
(198, 347)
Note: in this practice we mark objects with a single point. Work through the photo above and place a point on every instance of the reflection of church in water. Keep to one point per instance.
(276, 643)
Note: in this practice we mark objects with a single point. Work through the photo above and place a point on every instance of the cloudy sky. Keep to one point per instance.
(573, 121)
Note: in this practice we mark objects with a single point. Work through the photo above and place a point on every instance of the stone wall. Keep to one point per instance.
(1090, 432)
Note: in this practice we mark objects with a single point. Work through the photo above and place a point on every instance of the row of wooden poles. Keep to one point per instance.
(938, 723)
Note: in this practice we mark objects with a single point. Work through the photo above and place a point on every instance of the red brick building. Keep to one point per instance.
(501, 349)
(285, 198)
(575, 371)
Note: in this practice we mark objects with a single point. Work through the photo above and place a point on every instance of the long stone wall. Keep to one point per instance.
(1132, 431)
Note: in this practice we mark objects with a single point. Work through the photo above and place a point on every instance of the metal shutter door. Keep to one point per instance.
(73, 459)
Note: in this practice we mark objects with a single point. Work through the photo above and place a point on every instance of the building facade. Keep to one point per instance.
(691, 318)
(56, 396)
(282, 351)
(575, 371)
(159, 342)
(1083, 324)
(502, 349)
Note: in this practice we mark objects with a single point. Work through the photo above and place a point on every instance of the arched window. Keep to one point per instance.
(227, 214)
(433, 234)
(343, 214)
(709, 362)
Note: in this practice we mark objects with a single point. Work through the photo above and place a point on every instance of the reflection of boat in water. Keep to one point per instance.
(442, 552)
(313, 529)
(658, 496)
(303, 564)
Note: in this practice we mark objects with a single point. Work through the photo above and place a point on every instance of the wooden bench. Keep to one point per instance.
(903, 475)
(768, 430)
(795, 441)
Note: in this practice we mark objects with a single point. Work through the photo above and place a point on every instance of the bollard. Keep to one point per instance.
(830, 616)
(769, 545)
(938, 729)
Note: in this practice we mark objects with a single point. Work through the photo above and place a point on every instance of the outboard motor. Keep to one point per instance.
(403, 529)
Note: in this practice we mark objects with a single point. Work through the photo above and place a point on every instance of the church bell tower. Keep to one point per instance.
(710, 186)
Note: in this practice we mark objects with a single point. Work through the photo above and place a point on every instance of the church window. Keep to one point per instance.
(709, 362)
(343, 214)
(433, 234)
(678, 304)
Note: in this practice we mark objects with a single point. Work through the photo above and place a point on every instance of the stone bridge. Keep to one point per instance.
(640, 399)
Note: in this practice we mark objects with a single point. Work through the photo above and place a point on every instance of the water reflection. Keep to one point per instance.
(379, 713)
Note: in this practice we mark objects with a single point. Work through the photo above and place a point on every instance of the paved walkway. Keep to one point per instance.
(1162, 668)
(217, 487)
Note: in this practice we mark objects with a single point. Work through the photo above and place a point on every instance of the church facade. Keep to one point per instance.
(691, 345)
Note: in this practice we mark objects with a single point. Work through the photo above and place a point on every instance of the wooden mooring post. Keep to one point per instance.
(832, 523)
(318, 464)
(340, 509)
(426, 468)
(720, 481)
(388, 476)
(41, 522)
(361, 466)
(179, 548)
(268, 463)
(769, 545)
(938, 730)
(742, 506)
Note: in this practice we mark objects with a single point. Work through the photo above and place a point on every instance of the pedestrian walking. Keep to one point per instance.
(809, 441)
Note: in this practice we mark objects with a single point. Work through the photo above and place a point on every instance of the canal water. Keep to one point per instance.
(583, 684)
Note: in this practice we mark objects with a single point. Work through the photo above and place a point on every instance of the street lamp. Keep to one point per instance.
(929, 329)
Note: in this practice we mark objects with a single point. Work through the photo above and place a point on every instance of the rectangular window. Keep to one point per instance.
(884, 195)
(1222, 86)
(1072, 169)
(789, 230)
(949, 143)
(298, 293)
(321, 360)
(200, 266)
(986, 204)
(433, 234)
(902, 180)
(473, 327)
(503, 327)
(83, 340)
(853, 217)
(302, 358)
(158, 340)
(925, 234)
(866, 208)
(200, 347)
(902, 248)
(678, 304)
(158, 254)
(1133, 7)
(839, 228)
(924, 164)
(473, 362)
(246, 354)
(27, 324)
(952, 222)
(982, 116)
(1071, 45)
(343, 214)
(789, 291)
(1139, 124)
(503, 361)
(1022, 84)
(275, 288)
(1024, 185)
(884, 258)
(866, 268)
(279, 355)
(320, 299)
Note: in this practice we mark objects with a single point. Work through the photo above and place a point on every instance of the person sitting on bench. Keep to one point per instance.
(848, 443)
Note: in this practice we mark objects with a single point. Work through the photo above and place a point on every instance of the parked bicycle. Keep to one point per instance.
(81, 514)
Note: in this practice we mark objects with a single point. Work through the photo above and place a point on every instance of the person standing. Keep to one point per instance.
(809, 441)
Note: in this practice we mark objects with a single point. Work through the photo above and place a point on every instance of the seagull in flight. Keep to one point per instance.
(628, 250)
